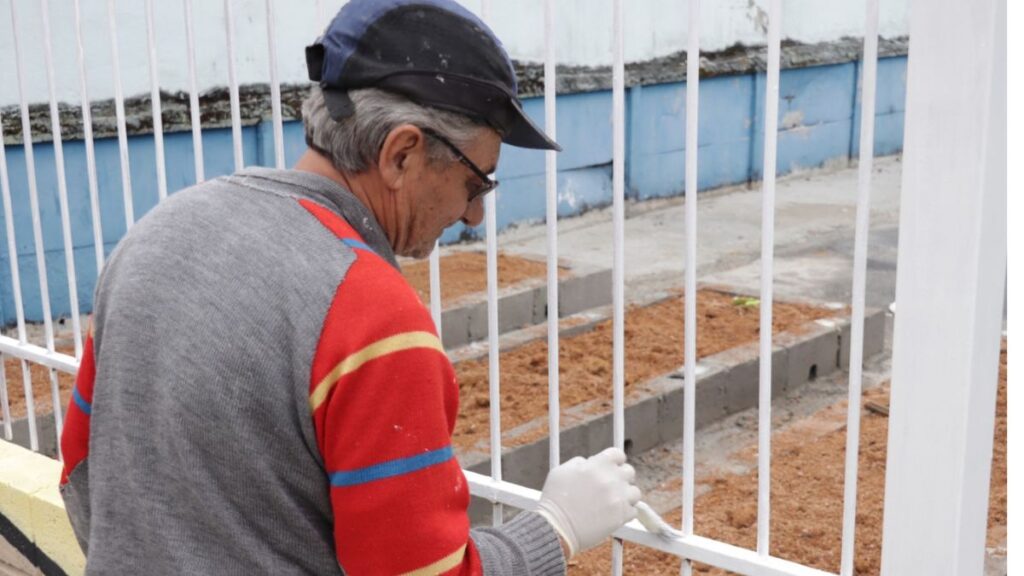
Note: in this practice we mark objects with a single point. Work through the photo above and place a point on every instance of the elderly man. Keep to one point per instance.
(263, 392)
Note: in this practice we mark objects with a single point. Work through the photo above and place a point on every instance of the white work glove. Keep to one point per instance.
(585, 500)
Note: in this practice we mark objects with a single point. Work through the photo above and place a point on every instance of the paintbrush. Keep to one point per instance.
(654, 523)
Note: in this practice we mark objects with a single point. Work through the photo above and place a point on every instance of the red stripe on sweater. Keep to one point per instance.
(74, 440)
(395, 406)
(399, 524)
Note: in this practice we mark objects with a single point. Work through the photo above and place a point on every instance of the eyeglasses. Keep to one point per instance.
(487, 183)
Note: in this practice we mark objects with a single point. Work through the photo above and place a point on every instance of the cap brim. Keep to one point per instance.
(525, 134)
(521, 131)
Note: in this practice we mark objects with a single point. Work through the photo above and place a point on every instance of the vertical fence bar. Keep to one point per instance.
(493, 352)
(618, 259)
(860, 264)
(15, 282)
(275, 89)
(764, 432)
(5, 404)
(12, 252)
(122, 132)
(154, 97)
(193, 96)
(30, 169)
(62, 191)
(90, 149)
(65, 219)
(435, 287)
(551, 184)
(236, 114)
(690, 312)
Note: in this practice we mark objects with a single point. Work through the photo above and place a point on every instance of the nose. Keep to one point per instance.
(474, 213)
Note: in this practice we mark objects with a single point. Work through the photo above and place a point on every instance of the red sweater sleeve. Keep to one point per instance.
(384, 399)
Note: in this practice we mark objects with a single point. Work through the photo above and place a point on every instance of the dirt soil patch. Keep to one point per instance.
(41, 390)
(465, 273)
(808, 460)
(654, 346)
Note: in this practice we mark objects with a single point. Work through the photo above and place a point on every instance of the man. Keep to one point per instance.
(263, 392)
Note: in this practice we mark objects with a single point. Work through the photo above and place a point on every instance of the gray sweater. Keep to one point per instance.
(215, 429)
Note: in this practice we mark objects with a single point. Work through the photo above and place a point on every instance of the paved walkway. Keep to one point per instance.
(814, 230)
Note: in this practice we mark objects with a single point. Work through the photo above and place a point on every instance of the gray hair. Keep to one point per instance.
(354, 143)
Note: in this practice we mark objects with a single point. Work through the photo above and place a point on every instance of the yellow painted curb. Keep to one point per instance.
(30, 500)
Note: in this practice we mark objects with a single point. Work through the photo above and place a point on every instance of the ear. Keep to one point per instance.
(403, 153)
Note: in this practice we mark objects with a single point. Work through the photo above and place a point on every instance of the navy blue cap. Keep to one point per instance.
(434, 52)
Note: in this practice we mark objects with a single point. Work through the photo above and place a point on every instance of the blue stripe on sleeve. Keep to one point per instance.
(82, 404)
(392, 468)
(356, 244)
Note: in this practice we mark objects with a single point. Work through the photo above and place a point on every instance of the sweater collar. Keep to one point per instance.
(336, 198)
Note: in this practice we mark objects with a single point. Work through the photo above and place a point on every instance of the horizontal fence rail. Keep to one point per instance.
(690, 547)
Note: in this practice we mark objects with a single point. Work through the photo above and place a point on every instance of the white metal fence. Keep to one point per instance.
(690, 547)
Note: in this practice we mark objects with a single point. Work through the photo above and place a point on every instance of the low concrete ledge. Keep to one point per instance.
(525, 304)
(36, 533)
(727, 383)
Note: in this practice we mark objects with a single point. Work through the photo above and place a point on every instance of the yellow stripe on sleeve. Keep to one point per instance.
(441, 566)
(383, 347)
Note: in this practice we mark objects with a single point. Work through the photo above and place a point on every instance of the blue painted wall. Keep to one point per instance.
(818, 121)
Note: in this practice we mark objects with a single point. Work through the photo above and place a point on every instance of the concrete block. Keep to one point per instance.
(641, 425)
(584, 292)
(874, 337)
(46, 430)
(813, 355)
(874, 333)
(599, 433)
(540, 304)
(477, 321)
(515, 311)
(526, 465)
(780, 372)
(455, 327)
(739, 387)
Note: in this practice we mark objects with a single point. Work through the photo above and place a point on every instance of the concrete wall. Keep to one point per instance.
(818, 123)
(818, 119)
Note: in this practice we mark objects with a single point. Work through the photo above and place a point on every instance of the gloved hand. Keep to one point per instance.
(585, 500)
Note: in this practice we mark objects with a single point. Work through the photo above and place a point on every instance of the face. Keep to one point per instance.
(442, 191)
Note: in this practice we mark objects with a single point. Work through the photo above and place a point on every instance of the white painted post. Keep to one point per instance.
(122, 131)
(236, 113)
(37, 233)
(435, 287)
(154, 96)
(860, 265)
(193, 96)
(690, 307)
(950, 282)
(618, 244)
(90, 149)
(275, 88)
(62, 199)
(493, 350)
(551, 189)
(764, 406)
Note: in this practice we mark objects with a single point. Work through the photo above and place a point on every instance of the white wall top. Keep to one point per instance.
(653, 28)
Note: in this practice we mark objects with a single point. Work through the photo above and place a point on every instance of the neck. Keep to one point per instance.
(366, 186)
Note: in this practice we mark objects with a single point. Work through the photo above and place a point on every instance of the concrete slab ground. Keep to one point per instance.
(814, 230)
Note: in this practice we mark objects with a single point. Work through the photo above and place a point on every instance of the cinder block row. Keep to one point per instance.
(586, 288)
(727, 383)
